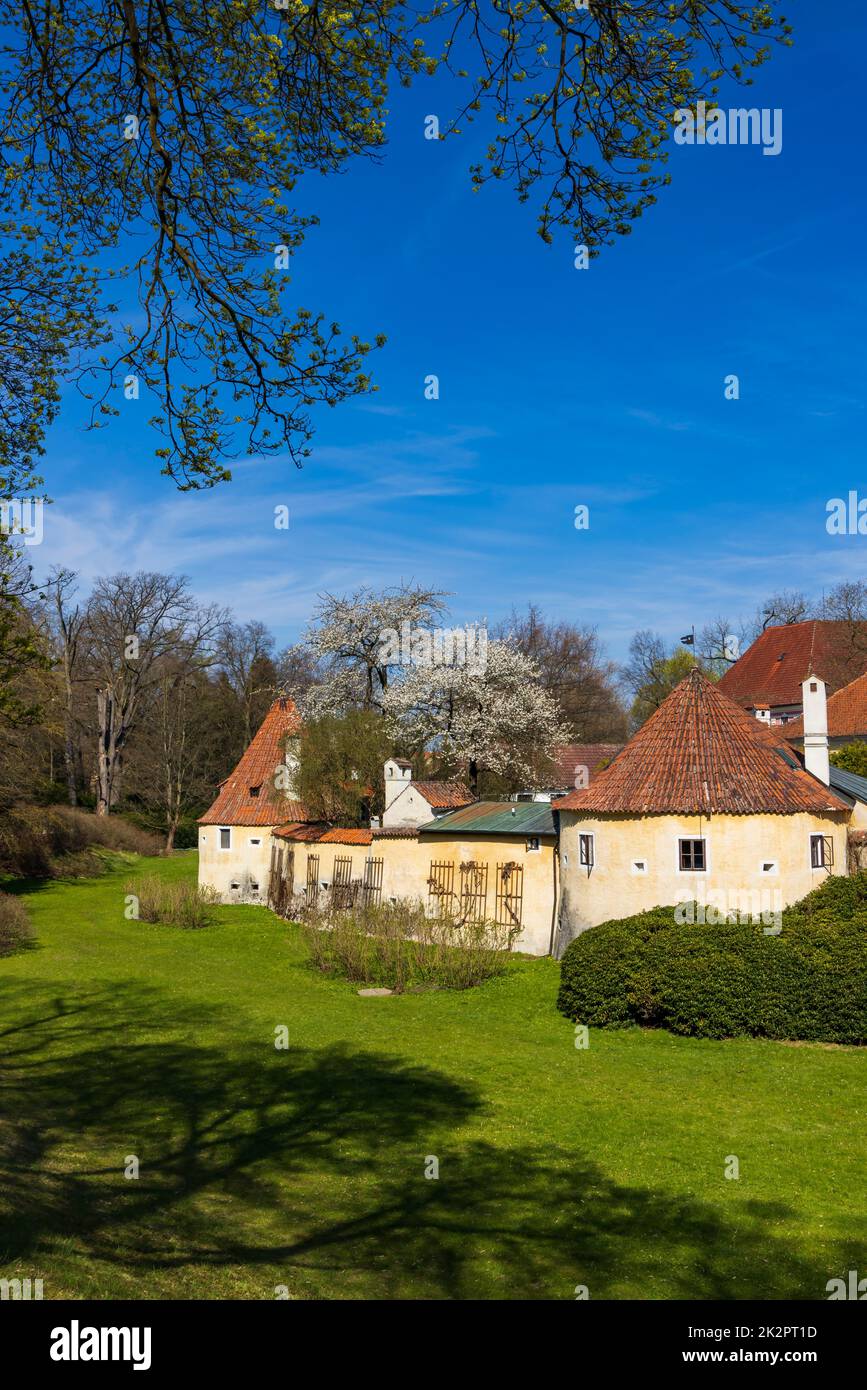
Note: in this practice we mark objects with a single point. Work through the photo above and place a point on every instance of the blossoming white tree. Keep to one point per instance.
(498, 720)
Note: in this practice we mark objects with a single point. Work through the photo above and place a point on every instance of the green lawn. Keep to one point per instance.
(305, 1167)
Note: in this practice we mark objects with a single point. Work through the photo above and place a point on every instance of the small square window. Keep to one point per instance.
(587, 851)
(255, 842)
(692, 856)
(769, 866)
(225, 838)
(532, 844)
(639, 866)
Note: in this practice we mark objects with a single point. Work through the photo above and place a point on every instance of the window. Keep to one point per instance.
(225, 838)
(587, 851)
(639, 866)
(821, 851)
(254, 887)
(255, 842)
(692, 857)
(254, 791)
(769, 866)
(533, 844)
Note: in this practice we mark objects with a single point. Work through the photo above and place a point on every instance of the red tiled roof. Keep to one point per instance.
(395, 832)
(570, 756)
(444, 795)
(306, 831)
(234, 804)
(700, 754)
(346, 837)
(847, 713)
(771, 671)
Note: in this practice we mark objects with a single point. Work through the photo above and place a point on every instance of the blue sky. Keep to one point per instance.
(557, 387)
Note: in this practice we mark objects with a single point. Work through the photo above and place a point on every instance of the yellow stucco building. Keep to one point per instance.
(704, 804)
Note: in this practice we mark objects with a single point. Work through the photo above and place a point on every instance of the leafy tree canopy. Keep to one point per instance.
(163, 140)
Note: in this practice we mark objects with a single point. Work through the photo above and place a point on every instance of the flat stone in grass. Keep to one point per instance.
(374, 993)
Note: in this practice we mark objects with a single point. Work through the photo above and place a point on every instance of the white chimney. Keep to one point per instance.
(816, 729)
(398, 774)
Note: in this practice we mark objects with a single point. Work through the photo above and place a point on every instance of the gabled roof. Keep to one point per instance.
(443, 795)
(847, 713)
(570, 756)
(238, 803)
(772, 670)
(494, 818)
(700, 754)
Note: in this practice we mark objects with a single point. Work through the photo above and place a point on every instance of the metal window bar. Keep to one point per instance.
(441, 885)
(474, 892)
(510, 894)
(313, 878)
(342, 894)
(371, 886)
(281, 880)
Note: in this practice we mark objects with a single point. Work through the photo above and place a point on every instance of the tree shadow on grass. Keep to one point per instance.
(307, 1166)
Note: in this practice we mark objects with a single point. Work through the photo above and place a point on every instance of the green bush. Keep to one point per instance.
(16, 933)
(730, 979)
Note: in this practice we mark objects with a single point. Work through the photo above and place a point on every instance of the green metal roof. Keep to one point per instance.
(495, 818)
(848, 784)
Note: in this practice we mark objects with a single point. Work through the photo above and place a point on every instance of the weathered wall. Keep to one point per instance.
(243, 862)
(407, 865)
(737, 847)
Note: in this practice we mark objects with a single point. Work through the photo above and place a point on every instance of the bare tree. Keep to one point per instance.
(572, 669)
(67, 631)
(244, 655)
(133, 624)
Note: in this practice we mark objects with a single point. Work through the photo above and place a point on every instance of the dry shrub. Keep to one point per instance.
(16, 932)
(397, 945)
(177, 904)
(35, 841)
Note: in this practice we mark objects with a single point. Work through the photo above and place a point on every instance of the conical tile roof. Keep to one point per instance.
(238, 802)
(699, 753)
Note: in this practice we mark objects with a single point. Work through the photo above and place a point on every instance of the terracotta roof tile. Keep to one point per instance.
(570, 756)
(305, 831)
(346, 837)
(771, 671)
(236, 803)
(444, 795)
(847, 713)
(395, 832)
(699, 753)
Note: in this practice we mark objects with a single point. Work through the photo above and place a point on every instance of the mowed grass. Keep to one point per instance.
(305, 1167)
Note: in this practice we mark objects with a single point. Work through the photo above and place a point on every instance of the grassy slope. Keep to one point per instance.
(305, 1167)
